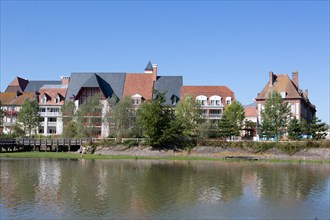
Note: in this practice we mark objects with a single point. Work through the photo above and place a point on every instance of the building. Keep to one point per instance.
(213, 99)
(138, 86)
(250, 122)
(11, 102)
(50, 99)
(301, 107)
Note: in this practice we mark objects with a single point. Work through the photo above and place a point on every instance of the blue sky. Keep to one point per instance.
(208, 43)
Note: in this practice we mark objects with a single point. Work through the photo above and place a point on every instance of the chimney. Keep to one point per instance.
(65, 80)
(306, 93)
(295, 78)
(271, 78)
(154, 72)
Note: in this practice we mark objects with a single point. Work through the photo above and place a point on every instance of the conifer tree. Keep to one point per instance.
(317, 129)
(294, 129)
(274, 116)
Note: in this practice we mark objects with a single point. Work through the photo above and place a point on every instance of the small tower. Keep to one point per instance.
(151, 69)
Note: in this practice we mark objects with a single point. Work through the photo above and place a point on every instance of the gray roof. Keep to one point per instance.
(109, 83)
(149, 66)
(47, 86)
(169, 84)
(35, 85)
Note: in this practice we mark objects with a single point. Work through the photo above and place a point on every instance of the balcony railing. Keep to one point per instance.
(214, 116)
(53, 124)
(8, 123)
(49, 114)
(212, 106)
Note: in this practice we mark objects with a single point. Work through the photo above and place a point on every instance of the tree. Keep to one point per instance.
(226, 127)
(28, 116)
(317, 129)
(68, 111)
(158, 123)
(70, 129)
(294, 129)
(187, 113)
(274, 116)
(1, 114)
(121, 117)
(88, 116)
(232, 120)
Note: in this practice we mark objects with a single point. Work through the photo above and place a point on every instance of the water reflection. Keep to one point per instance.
(49, 188)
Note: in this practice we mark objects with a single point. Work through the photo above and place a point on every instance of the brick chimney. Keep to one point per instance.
(271, 78)
(65, 80)
(154, 72)
(295, 78)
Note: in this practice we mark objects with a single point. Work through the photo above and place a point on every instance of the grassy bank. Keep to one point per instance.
(64, 155)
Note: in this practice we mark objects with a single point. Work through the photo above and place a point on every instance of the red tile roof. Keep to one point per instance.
(52, 93)
(9, 98)
(18, 84)
(138, 83)
(250, 111)
(282, 83)
(222, 91)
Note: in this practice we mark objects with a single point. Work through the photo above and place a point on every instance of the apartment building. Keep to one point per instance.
(213, 99)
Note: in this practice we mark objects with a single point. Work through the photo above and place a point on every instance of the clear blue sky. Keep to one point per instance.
(208, 43)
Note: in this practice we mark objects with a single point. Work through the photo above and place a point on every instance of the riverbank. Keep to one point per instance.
(197, 153)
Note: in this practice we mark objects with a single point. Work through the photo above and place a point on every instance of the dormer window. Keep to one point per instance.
(57, 98)
(43, 98)
(228, 100)
(201, 99)
(174, 100)
(215, 100)
(283, 94)
(137, 99)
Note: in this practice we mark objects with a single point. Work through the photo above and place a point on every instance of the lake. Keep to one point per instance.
(140, 189)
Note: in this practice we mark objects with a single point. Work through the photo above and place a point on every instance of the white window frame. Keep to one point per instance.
(201, 99)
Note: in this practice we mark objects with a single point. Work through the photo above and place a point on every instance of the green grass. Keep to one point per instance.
(64, 155)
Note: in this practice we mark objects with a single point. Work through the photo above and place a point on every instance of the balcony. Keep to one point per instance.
(212, 106)
(49, 114)
(8, 124)
(214, 116)
(52, 124)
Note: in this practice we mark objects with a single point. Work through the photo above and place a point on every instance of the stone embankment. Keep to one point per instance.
(218, 152)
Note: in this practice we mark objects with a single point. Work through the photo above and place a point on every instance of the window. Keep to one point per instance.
(42, 110)
(52, 119)
(283, 94)
(57, 99)
(43, 99)
(228, 100)
(174, 99)
(215, 100)
(136, 99)
(201, 99)
(293, 109)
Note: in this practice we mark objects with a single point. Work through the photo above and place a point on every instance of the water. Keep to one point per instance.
(143, 189)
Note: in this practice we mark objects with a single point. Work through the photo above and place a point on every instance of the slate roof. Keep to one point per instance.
(109, 83)
(169, 84)
(208, 91)
(138, 83)
(149, 66)
(35, 85)
(18, 84)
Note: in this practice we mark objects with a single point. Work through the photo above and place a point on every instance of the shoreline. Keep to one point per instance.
(317, 155)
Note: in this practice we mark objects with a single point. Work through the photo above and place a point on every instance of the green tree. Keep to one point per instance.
(232, 120)
(28, 116)
(121, 115)
(158, 123)
(68, 111)
(187, 113)
(1, 114)
(70, 129)
(274, 116)
(317, 129)
(294, 129)
(88, 116)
